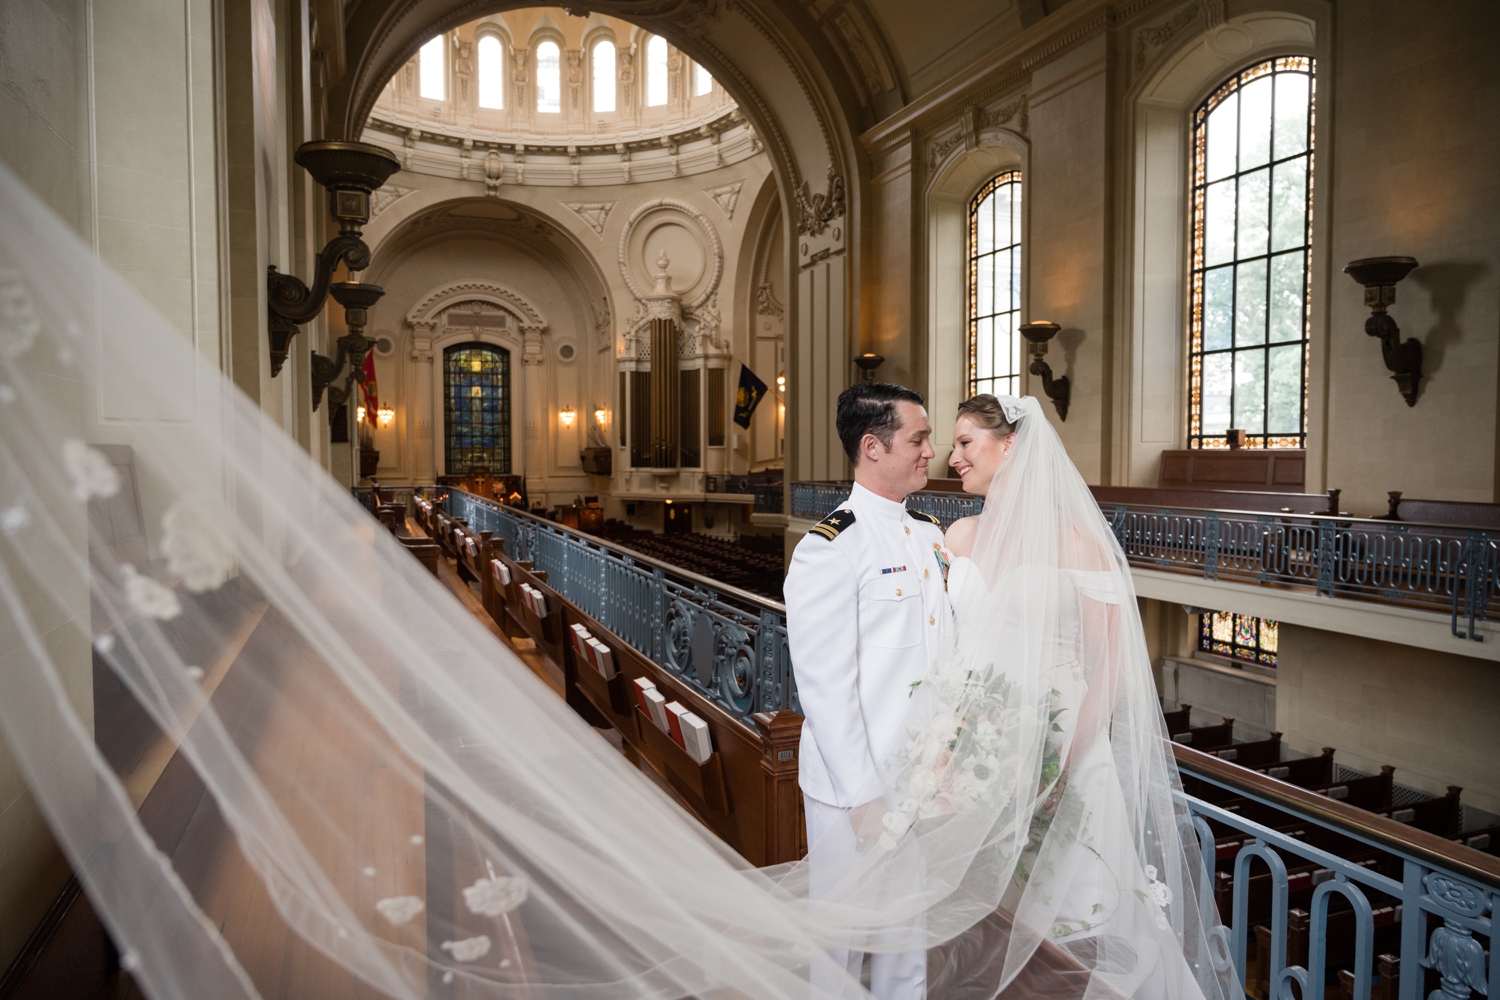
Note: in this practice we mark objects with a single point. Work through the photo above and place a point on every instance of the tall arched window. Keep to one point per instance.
(995, 286)
(1252, 232)
(476, 408)
(432, 70)
(548, 78)
(491, 73)
(604, 76)
(703, 83)
(656, 71)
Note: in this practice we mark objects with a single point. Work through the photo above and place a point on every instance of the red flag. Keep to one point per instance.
(368, 387)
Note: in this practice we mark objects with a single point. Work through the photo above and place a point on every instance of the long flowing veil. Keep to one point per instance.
(1031, 830)
(336, 781)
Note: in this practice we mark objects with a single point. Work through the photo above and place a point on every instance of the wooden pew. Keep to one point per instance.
(1302, 771)
(1179, 721)
(1484, 516)
(1205, 499)
(393, 517)
(1206, 736)
(1442, 815)
(1254, 755)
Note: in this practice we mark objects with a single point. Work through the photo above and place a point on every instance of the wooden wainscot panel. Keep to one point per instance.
(1276, 470)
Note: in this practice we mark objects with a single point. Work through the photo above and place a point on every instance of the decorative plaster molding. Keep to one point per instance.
(711, 237)
(423, 318)
(816, 211)
(726, 197)
(765, 302)
(594, 213)
(384, 197)
(1148, 41)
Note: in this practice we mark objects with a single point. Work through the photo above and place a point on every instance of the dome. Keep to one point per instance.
(539, 96)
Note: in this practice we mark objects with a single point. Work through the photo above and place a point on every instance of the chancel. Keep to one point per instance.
(411, 412)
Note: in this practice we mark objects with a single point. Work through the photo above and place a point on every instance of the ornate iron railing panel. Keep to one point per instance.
(727, 644)
(1390, 884)
(1427, 567)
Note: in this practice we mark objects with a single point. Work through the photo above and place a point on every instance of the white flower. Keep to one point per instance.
(92, 474)
(399, 909)
(195, 549)
(495, 895)
(469, 949)
(149, 597)
(1151, 873)
(19, 325)
(1160, 894)
(13, 519)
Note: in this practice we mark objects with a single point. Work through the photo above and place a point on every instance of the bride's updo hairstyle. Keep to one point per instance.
(985, 410)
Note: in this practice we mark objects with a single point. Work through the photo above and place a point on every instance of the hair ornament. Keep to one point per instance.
(1014, 408)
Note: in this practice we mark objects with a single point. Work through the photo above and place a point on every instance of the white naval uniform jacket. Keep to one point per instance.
(866, 614)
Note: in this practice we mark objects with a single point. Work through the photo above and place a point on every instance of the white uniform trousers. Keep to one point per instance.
(893, 976)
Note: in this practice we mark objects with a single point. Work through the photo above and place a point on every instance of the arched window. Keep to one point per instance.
(656, 71)
(995, 286)
(548, 78)
(432, 67)
(703, 83)
(604, 76)
(491, 73)
(1252, 232)
(476, 408)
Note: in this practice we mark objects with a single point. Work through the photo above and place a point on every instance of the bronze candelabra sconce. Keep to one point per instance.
(1058, 389)
(350, 171)
(1380, 276)
(868, 363)
(356, 298)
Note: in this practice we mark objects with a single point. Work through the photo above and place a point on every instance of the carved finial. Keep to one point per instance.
(663, 279)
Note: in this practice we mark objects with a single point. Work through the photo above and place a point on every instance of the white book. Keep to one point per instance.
(501, 571)
(540, 600)
(469, 544)
(675, 711)
(642, 685)
(580, 640)
(657, 703)
(696, 738)
(602, 659)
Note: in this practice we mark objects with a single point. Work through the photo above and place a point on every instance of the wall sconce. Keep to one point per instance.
(359, 414)
(781, 382)
(356, 298)
(566, 417)
(385, 415)
(349, 171)
(868, 363)
(1059, 389)
(601, 417)
(1380, 276)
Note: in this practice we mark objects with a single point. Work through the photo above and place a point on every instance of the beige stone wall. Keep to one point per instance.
(1430, 714)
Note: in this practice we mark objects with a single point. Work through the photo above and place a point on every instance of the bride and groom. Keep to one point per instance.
(983, 759)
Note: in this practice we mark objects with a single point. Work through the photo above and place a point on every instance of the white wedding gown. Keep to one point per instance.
(1098, 883)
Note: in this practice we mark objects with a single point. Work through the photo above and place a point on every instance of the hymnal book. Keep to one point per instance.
(675, 711)
(539, 603)
(501, 571)
(656, 706)
(642, 685)
(473, 548)
(602, 659)
(580, 640)
(695, 736)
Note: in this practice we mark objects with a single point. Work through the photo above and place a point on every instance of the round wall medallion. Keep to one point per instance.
(565, 351)
(804, 248)
(384, 346)
(838, 233)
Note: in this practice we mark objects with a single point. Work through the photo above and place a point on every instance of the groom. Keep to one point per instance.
(866, 613)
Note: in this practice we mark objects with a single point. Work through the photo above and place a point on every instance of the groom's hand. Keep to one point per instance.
(868, 821)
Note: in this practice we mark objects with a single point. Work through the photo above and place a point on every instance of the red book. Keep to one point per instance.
(601, 657)
(656, 707)
(642, 685)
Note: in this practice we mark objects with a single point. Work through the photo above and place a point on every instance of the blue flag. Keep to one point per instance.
(747, 398)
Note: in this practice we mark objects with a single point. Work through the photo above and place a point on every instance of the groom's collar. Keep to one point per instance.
(877, 504)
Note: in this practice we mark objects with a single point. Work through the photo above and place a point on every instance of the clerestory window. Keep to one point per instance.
(604, 76)
(432, 70)
(491, 73)
(656, 71)
(995, 286)
(548, 78)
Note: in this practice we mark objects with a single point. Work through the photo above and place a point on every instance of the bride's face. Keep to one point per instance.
(977, 454)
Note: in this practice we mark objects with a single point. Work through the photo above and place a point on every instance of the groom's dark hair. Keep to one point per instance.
(870, 408)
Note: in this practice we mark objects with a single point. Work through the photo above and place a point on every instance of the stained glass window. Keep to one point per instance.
(1242, 637)
(656, 71)
(604, 76)
(1252, 235)
(491, 73)
(995, 286)
(548, 78)
(476, 408)
(432, 70)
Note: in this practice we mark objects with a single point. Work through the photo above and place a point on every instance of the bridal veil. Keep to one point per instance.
(391, 804)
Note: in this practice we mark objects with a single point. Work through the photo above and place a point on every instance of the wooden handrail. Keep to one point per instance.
(1382, 831)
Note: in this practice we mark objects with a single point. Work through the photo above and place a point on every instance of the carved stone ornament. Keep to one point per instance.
(384, 197)
(1148, 41)
(765, 302)
(726, 197)
(423, 318)
(710, 238)
(594, 213)
(815, 212)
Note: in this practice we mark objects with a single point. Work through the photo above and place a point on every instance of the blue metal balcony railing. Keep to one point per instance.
(1349, 868)
(727, 644)
(1426, 567)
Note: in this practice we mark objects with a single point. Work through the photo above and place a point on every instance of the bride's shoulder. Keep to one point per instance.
(959, 538)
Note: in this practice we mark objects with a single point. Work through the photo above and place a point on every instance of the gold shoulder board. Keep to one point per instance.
(924, 516)
(834, 523)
